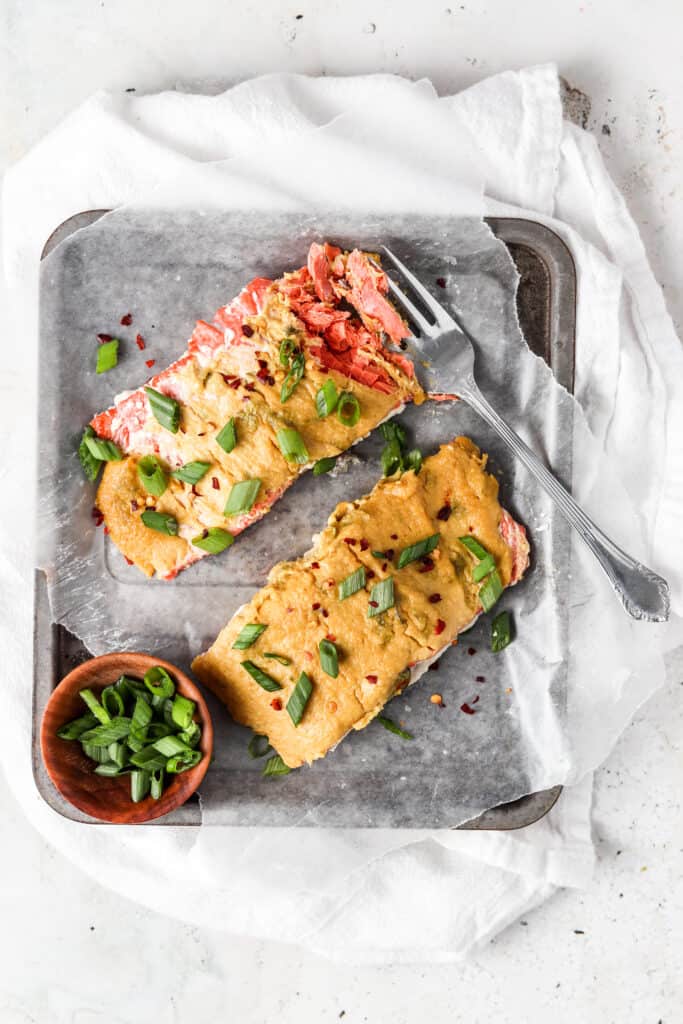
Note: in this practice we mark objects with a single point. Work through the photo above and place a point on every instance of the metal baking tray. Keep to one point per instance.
(546, 301)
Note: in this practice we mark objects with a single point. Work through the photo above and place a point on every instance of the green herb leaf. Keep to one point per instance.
(326, 399)
(100, 448)
(214, 540)
(474, 546)
(258, 746)
(166, 410)
(396, 729)
(278, 657)
(293, 378)
(89, 463)
(296, 705)
(418, 550)
(94, 706)
(275, 766)
(352, 583)
(490, 591)
(242, 497)
(501, 632)
(329, 658)
(162, 522)
(265, 681)
(76, 727)
(348, 409)
(107, 355)
(158, 682)
(324, 466)
(152, 476)
(227, 437)
(191, 472)
(292, 446)
(483, 568)
(381, 597)
(248, 635)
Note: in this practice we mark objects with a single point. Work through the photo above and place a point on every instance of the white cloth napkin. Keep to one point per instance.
(507, 133)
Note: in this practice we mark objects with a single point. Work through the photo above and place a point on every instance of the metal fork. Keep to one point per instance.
(446, 365)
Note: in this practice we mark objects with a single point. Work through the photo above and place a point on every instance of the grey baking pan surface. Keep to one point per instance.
(355, 789)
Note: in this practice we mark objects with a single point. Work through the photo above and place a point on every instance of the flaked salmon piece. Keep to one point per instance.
(234, 369)
(435, 597)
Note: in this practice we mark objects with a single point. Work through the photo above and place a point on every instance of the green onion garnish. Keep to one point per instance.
(381, 597)
(396, 729)
(107, 355)
(165, 409)
(258, 746)
(379, 554)
(490, 591)
(162, 522)
(501, 631)
(142, 716)
(418, 550)
(109, 769)
(110, 732)
(391, 458)
(326, 399)
(170, 746)
(329, 658)
(278, 657)
(152, 476)
(183, 762)
(95, 753)
(265, 681)
(483, 568)
(394, 459)
(352, 583)
(348, 409)
(112, 701)
(275, 766)
(393, 431)
(292, 446)
(191, 472)
(287, 348)
(75, 728)
(158, 682)
(324, 466)
(227, 437)
(242, 497)
(89, 463)
(118, 752)
(296, 705)
(140, 783)
(248, 635)
(474, 546)
(94, 706)
(413, 460)
(214, 540)
(105, 451)
(182, 711)
(156, 783)
(148, 758)
(191, 735)
(293, 378)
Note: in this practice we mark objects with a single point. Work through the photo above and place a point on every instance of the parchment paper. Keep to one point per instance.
(169, 268)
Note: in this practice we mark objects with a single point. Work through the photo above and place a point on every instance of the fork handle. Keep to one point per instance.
(643, 593)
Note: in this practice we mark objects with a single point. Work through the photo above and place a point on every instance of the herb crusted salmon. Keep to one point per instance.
(290, 372)
(389, 583)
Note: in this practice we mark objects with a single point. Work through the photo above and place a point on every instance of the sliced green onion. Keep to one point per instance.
(413, 460)
(393, 431)
(107, 355)
(248, 635)
(391, 458)
(381, 597)
(348, 409)
(329, 658)
(96, 753)
(76, 727)
(118, 753)
(139, 785)
(109, 769)
(156, 730)
(275, 766)
(94, 706)
(324, 466)
(214, 540)
(162, 522)
(89, 463)
(242, 497)
(166, 410)
(258, 746)
(156, 780)
(418, 550)
(379, 554)
(127, 686)
(501, 632)
(103, 735)
(142, 716)
(183, 762)
(483, 568)
(351, 584)
(227, 437)
(112, 701)
(278, 657)
(396, 729)
(152, 476)
(326, 399)
(490, 591)
(265, 681)
(183, 711)
(296, 705)
(293, 378)
(191, 735)
(474, 546)
(169, 746)
(148, 758)
(292, 446)
(191, 472)
(287, 348)
(105, 451)
(158, 682)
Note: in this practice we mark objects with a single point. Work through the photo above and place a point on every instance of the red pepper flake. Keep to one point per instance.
(467, 709)
(351, 541)
(439, 627)
(205, 533)
(471, 651)
(370, 574)
(263, 363)
(140, 341)
(234, 384)
(316, 606)
(434, 598)
(315, 565)
(102, 338)
(249, 386)
(215, 484)
(364, 544)
(263, 374)
(444, 513)
(331, 637)
(133, 505)
(247, 331)
(276, 704)
(97, 516)
(325, 613)
(150, 362)
(371, 679)
(427, 565)
(106, 529)
(127, 320)
(389, 554)
(441, 281)
(394, 536)
(374, 604)
(384, 566)
(480, 679)
(129, 560)
(195, 491)
(270, 380)
(330, 583)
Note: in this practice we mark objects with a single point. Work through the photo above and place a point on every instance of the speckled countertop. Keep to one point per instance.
(74, 953)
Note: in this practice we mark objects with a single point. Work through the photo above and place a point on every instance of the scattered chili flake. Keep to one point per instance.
(444, 513)
(325, 613)
(364, 544)
(332, 706)
(133, 505)
(427, 565)
(330, 636)
(374, 604)
(480, 679)
(316, 606)
(371, 679)
(97, 516)
(102, 338)
(215, 483)
(441, 281)
(276, 704)
(370, 574)
(436, 698)
(439, 627)
(394, 536)
(351, 541)
(389, 554)
(330, 583)
(315, 565)
(384, 566)
(127, 320)
(471, 651)
(247, 331)
(467, 709)
(150, 362)
(270, 380)
(106, 529)
(249, 386)
(195, 491)
(205, 533)
(434, 598)
(263, 363)
(140, 341)
(263, 374)
(129, 560)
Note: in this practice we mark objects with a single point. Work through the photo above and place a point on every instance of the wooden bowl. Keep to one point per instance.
(108, 799)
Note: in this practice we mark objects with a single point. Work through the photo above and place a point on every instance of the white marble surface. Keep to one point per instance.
(72, 952)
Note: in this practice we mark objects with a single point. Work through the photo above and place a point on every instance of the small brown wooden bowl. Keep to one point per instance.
(72, 772)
